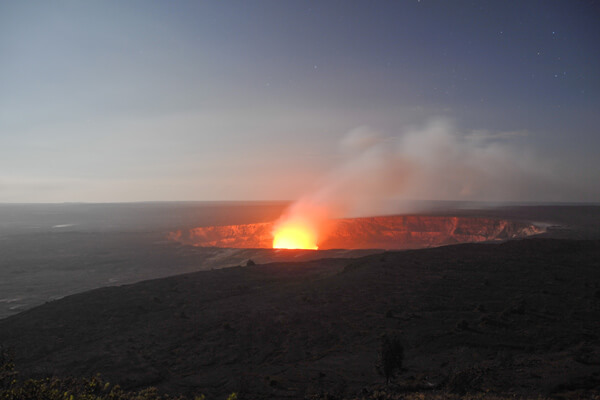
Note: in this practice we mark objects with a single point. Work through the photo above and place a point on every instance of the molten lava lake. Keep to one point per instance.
(390, 233)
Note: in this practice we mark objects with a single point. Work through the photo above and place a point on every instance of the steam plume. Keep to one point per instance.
(432, 162)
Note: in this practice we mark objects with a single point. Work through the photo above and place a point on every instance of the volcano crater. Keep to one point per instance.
(397, 232)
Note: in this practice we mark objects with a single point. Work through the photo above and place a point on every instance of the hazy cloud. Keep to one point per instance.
(434, 161)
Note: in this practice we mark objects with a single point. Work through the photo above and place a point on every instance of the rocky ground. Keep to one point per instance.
(521, 317)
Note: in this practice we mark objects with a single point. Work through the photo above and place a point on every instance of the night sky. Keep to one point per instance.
(250, 100)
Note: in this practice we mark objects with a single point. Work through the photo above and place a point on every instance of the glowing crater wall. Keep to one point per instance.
(394, 232)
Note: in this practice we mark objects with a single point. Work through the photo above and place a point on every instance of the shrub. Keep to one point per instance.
(391, 355)
(70, 388)
(7, 368)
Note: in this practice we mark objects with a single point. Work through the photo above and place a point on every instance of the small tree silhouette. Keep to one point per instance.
(391, 355)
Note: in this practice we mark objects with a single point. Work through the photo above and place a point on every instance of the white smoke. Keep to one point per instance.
(431, 162)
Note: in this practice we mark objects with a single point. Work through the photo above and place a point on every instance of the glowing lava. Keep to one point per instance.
(294, 236)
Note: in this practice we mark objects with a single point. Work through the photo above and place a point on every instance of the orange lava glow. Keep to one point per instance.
(294, 236)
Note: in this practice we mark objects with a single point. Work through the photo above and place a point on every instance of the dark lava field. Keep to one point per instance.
(520, 317)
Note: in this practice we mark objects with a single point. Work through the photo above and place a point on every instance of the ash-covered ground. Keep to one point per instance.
(520, 317)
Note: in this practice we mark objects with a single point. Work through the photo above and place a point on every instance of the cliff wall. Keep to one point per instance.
(392, 232)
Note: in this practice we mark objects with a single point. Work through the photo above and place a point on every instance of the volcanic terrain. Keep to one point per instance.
(389, 232)
(520, 317)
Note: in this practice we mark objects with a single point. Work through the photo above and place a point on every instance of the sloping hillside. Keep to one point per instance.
(517, 317)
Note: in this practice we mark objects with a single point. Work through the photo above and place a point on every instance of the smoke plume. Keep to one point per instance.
(382, 175)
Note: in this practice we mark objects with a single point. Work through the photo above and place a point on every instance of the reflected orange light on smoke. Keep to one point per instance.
(294, 236)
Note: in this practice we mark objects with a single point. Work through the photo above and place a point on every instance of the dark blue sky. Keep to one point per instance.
(122, 101)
